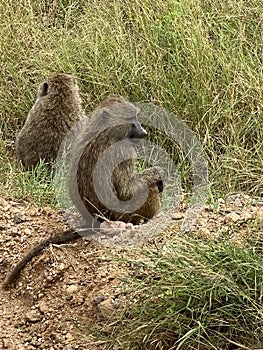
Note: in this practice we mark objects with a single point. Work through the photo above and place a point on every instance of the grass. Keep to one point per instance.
(34, 185)
(199, 59)
(191, 295)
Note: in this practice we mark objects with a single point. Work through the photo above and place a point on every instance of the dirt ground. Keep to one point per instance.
(69, 287)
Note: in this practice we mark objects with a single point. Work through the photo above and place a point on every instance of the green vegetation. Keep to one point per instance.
(193, 295)
(34, 185)
(200, 59)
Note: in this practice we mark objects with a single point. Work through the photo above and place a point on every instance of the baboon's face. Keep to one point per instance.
(119, 122)
(136, 130)
(127, 129)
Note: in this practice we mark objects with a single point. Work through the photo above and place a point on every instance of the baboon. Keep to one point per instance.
(114, 121)
(57, 108)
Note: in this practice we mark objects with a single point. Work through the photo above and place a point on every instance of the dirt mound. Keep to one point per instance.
(68, 287)
(60, 291)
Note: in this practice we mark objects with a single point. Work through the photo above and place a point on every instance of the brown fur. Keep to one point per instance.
(116, 115)
(57, 108)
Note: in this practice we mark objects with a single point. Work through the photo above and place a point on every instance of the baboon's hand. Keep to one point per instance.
(153, 176)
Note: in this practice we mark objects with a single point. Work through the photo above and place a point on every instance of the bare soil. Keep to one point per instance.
(67, 288)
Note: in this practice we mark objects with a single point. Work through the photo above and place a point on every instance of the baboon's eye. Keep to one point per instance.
(44, 90)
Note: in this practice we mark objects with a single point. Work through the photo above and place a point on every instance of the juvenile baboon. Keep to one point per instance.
(57, 108)
(114, 121)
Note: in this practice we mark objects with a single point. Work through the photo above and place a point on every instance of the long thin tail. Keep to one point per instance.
(60, 238)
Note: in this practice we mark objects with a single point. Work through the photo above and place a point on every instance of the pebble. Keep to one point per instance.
(247, 216)
(5, 343)
(232, 217)
(43, 307)
(33, 316)
(49, 279)
(69, 337)
(259, 204)
(177, 216)
(18, 219)
(204, 231)
(106, 308)
(27, 231)
(72, 289)
(13, 231)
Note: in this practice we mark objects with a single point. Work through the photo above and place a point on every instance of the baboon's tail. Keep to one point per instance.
(69, 235)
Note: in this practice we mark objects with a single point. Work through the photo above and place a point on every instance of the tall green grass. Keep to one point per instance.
(191, 295)
(200, 59)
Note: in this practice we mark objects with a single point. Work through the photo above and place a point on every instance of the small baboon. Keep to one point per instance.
(113, 122)
(57, 108)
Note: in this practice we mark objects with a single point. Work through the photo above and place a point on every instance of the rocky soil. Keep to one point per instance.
(67, 288)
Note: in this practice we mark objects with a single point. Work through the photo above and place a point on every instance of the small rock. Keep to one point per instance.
(106, 308)
(204, 232)
(18, 219)
(97, 300)
(6, 343)
(27, 231)
(43, 307)
(13, 231)
(247, 216)
(61, 266)
(234, 198)
(49, 279)
(35, 342)
(224, 229)
(69, 337)
(33, 316)
(72, 289)
(232, 217)
(6, 208)
(3, 203)
(259, 214)
(108, 226)
(177, 216)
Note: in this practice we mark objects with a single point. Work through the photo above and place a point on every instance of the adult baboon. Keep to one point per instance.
(57, 108)
(113, 122)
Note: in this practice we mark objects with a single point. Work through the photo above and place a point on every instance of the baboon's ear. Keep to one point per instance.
(44, 89)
